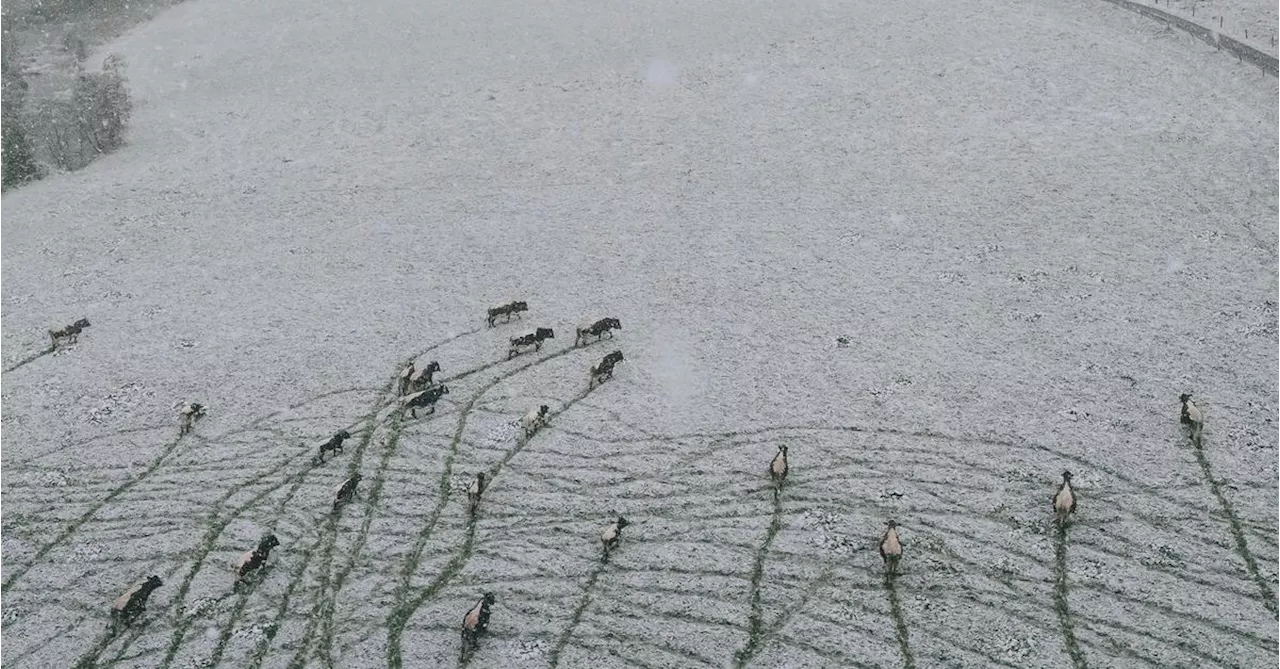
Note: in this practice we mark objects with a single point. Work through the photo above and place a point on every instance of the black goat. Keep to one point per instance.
(604, 370)
(598, 329)
(71, 333)
(476, 621)
(132, 603)
(253, 560)
(346, 492)
(533, 339)
(422, 378)
(425, 398)
(506, 310)
(334, 444)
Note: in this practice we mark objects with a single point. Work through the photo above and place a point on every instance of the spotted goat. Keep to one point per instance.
(1064, 501)
(604, 370)
(598, 330)
(507, 310)
(132, 603)
(252, 561)
(533, 339)
(476, 622)
(414, 378)
(535, 420)
(188, 415)
(474, 491)
(1192, 416)
(611, 535)
(70, 334)
(891, 548)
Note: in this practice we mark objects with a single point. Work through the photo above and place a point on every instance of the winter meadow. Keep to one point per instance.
(668, 334)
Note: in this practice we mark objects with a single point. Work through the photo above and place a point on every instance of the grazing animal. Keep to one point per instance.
(1192, 416)
(533, 339)
(610, 537)
(334, 444)
(604, 370)
(476, 621)
(507, 310)
(535, 419)
(425, 398)
(598, 329)
(188, 415)
(70, 333)
(404, 376)
(778, 467)
(474, 491)
(132, 603)
(891, 548)
(421, 378)
(842, 342)
(1064, 501)
(346, 492)
(253, 560)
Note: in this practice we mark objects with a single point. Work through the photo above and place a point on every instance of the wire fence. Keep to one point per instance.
(1206, 33)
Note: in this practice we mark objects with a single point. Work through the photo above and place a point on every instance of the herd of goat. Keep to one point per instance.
(418, 390)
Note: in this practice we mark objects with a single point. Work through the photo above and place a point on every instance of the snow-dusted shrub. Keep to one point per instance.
(54, 127)
(17, 153)
(102, 105)
(76, 46)
(10, 51)
(17, 156)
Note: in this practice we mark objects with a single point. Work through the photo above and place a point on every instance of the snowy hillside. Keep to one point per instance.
(1036, 223)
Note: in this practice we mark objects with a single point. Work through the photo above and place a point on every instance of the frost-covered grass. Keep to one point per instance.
(1036, 224)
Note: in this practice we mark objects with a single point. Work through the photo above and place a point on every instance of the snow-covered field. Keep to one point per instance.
(1037, 224)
